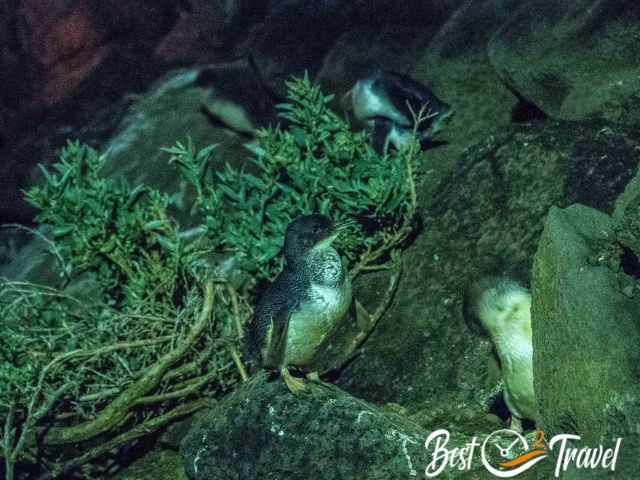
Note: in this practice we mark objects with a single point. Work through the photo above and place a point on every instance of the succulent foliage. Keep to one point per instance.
(123, 334)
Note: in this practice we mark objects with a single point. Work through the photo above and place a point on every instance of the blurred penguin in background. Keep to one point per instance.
(501, 308)
(387, 103)
(239, 100)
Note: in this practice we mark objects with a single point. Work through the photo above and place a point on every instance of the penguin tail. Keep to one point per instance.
(250, 351)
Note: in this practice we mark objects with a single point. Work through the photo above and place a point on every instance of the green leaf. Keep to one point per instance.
(62, 230)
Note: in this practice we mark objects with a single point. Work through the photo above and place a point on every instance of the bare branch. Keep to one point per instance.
(117, 411)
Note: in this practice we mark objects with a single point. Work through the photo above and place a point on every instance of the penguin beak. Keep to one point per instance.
(344, 225)
(338, 229)
(331, 238)
(326, 242)
(440, 122)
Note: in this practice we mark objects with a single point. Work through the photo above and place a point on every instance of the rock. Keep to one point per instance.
(389, 47)
(170, 111)
(64, 42)
(282, 47)
(19, 158)
(68, 44)
(569, 59)
(33, 261)
(484, 217)
(586, 335)
(628, 233)
(225, 24)
(263, 431)
(182, 44)
(91, 116)
(454, 62)
(175, 433)
(627, 223)
(157, 465)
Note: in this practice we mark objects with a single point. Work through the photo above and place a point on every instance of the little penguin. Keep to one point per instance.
(502, 308)
(300, 309)
(237, 97)
(384, 101)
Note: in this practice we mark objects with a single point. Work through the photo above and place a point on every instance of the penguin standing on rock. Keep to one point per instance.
(386, 102)
(502, 308)
(300, 309)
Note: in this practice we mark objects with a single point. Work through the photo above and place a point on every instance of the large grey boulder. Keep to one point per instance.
(586, 334)
(627, 223)
(571, 59)
(170, 111)
(264, 431)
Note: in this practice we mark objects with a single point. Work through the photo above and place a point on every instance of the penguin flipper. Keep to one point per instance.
(380, 135)
(275, 337)
(277, 351)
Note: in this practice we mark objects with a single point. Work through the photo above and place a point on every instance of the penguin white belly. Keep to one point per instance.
(516, 358)
(399, 137)
(314, 321)
(232, 115)
(368, 104)
(504, 310)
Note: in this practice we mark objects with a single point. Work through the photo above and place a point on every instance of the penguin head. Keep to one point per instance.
(439, 119)
(392, 99)
(307, 233)
(493, 303)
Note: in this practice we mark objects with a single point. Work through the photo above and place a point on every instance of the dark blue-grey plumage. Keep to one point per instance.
(300, 309)
(277, 303)
(387, 102)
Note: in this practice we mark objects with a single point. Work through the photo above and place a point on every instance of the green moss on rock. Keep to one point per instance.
(485, 217)
(585, 334)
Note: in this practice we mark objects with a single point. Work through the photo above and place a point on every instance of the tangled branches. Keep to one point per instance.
(126, 341)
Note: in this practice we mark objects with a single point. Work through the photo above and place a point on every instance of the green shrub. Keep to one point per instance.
(142, 347)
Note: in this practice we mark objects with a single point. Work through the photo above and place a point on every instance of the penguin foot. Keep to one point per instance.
(295, 385)
(515, 424)
(314, 377)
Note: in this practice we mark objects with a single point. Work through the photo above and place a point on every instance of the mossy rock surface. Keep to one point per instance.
(157, 465)
(570, 59)
(627, 224)
(263, 431)
(486, 217)
(586, 335)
